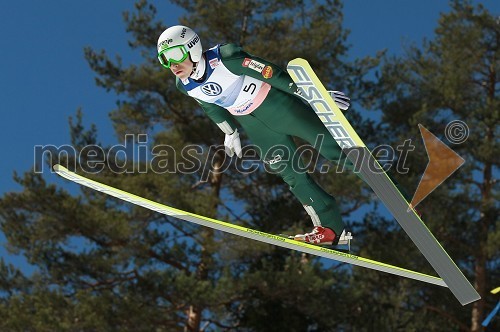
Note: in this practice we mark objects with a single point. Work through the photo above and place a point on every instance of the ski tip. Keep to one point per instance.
(297, 60)
(57, 168)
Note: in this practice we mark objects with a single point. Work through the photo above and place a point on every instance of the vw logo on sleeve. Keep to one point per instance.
(211, 89)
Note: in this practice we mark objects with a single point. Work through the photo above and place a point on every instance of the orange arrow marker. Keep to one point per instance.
(443, 162)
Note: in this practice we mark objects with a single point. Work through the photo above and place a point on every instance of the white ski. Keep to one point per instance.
(315, 93)
(246, 232)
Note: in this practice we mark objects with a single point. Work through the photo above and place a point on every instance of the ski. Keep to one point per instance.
(315, 93)
(247, 232)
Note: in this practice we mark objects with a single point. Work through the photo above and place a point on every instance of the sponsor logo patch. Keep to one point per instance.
(267, 72)
(254, 65)
(273, 161)
(193, 42)
(164, 44)
(243, 109)
(213, 63)
(211, 89)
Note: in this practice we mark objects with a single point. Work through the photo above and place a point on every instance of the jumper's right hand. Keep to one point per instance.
(340, 99)
(232, 144)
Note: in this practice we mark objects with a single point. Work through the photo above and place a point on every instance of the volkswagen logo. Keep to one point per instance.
(211, 89)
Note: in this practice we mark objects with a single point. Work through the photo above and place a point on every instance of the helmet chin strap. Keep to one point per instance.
(198, 69)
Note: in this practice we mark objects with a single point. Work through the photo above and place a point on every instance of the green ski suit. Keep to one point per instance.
(280, 115)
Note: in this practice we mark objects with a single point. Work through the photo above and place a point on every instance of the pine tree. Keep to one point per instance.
(455, 76)
(106, 265)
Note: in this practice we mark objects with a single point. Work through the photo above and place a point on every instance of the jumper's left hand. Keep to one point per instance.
(232, 144)
(340, 99)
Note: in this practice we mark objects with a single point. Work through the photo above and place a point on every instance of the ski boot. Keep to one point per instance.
(324, 236)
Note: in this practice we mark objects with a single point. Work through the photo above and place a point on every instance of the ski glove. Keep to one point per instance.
(340, 99)
(232, 144)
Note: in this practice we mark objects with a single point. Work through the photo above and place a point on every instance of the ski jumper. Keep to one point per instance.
(263, 99)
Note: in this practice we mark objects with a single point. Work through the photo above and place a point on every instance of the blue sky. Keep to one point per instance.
(44, 77)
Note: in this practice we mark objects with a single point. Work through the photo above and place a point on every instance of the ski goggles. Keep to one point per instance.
(174, 54)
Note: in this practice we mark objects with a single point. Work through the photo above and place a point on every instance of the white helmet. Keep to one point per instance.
(176, 43)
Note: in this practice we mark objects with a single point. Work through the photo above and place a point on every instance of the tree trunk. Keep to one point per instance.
(480, 285)
(193, 320)
(487, 215)
(194, 313)
(486, 218)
